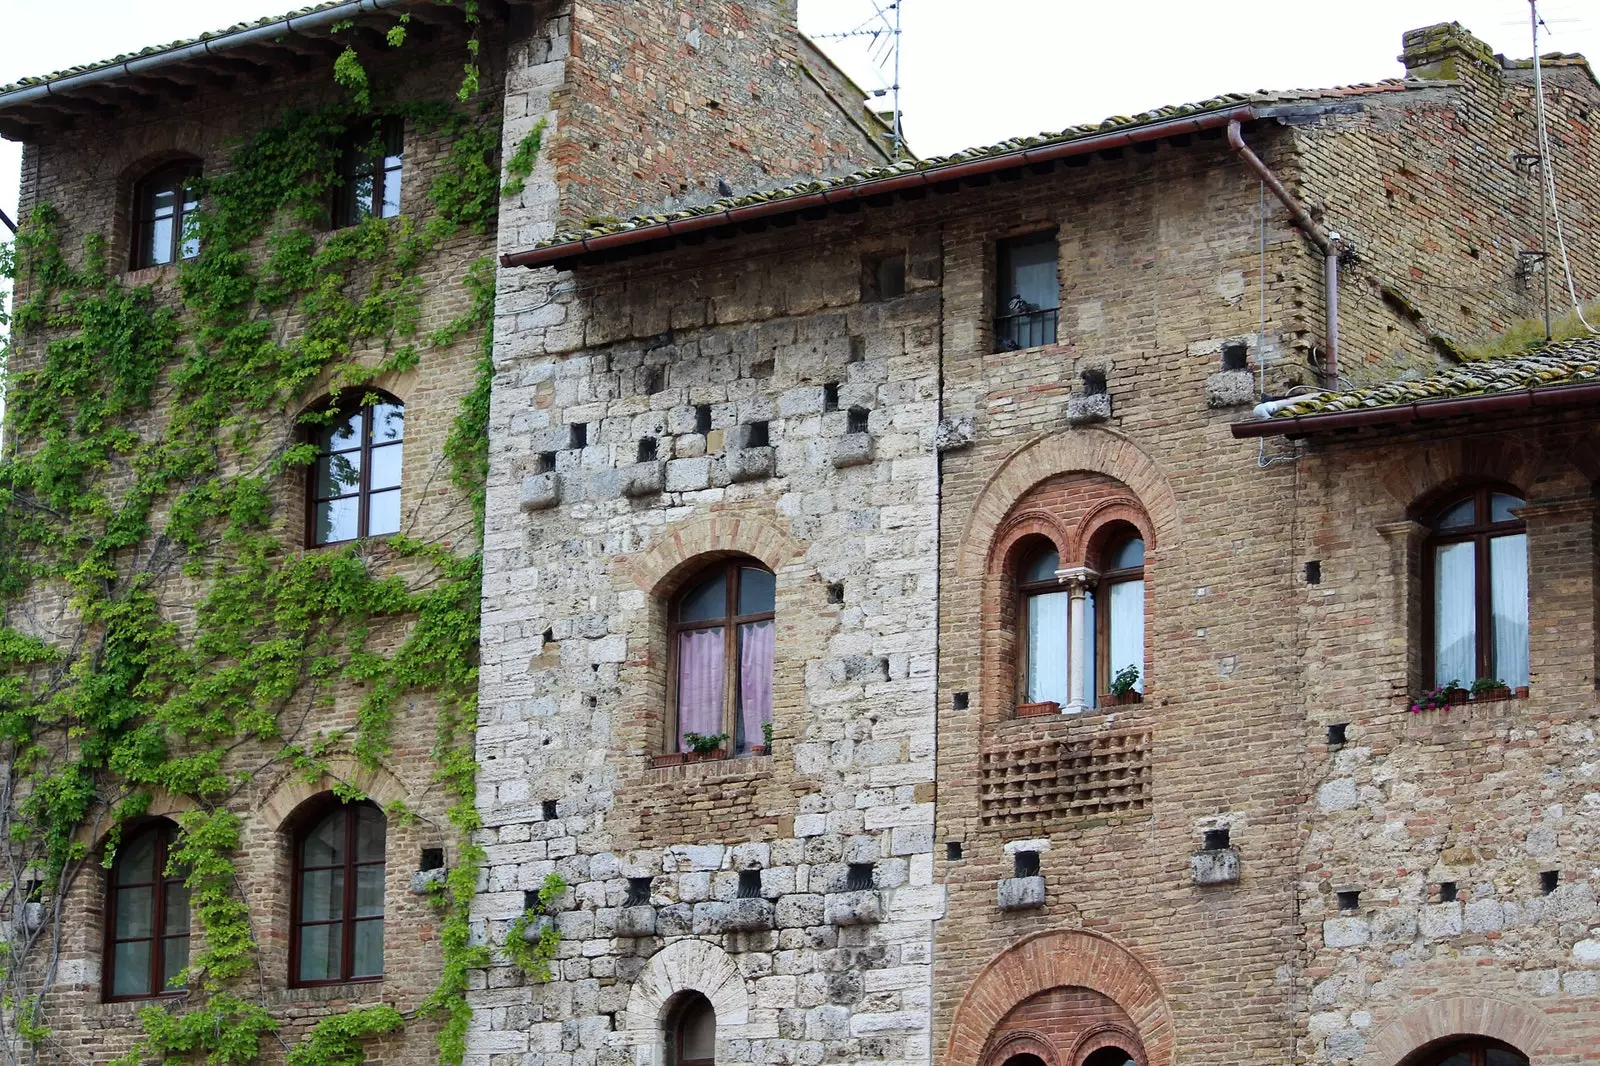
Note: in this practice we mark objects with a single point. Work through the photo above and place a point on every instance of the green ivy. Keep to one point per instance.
(533, 957)
(522, 161)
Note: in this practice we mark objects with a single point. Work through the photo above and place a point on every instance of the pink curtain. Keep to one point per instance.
(755, 681)
(699, 683)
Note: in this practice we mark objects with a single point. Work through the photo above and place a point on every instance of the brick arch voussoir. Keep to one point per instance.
(1061, 958)
(1439, 465)
(658, 567)
(683, 966)
(1523, 1027)
(376, 783)
(1094, 450)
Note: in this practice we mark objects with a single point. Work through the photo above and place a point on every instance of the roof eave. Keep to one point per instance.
(557, 254)
(1549, 396)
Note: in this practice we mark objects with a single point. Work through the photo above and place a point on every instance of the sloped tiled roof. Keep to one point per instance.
(1264, 98)
(1575, 362)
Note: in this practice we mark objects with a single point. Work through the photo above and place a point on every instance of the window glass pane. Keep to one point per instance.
(1042, 567)
(158, 242)
(390, 206)
(1460, 1058)
(1028, 270)
(189, 224)
(1508, 601)
(700, 672)
(388, 422)
(1462, 514)
(136, 912)
(319, 952)
(1126, 606)
(324, 845)
(1047, 647)
(342, 433)
(174, 957)
(369, 891)
(1128, 554)
(1501, 1057)
(1500, 506)
(369, 949)
(1455, 614)
(383, 513)
(370, 828)
(755, 682)
(705, 601)
(757, 591)
(322, 895)
(136, 859)
(385, 466)
(338, 475)
(130, 968)
(175, 916)
(1091, 651)
(335, 521)
(698, 1030)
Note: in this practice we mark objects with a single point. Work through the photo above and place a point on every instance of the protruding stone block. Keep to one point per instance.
(1086, 409)
(734, 916)
(636, 921)
(1230, 388)
(751, 464)
(852, 449)
(1216, 867)
(863, 907)
(422, 881)
(1020, 893)
(954, 433)
(675, 919)
(540, 492)
(535, 929)
(643, 479)
(688, 475)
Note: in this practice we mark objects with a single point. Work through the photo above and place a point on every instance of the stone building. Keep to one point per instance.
(890, 643)
(623, 106)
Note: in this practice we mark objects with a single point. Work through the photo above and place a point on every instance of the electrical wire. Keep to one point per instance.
(1547, 170)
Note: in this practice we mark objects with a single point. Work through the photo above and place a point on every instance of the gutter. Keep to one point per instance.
(219, 43)
(880, 186)
(1548, 397)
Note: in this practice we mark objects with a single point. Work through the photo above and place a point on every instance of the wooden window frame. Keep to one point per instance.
(175, 177)
(1026, 590)
(343, 407)
(165, 833)
(348, 920)
(366, 147)
(1476, 1047)
(730, 622)
(1479, 534)
(1102, 610)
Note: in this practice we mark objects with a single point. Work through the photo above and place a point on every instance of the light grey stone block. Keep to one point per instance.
(1020, 893)
(802, 910)
(1219, 867)
(636, 921)
(853, 449)
(751, 464)
(535, 929)
(1230, 388)
(863, 907)
(1084, 410)
(954, 433)
(540, 492)
(1345, 932)
(422, 881)
(643, 479)
(734, 916)
(688, 475)
(675, 919)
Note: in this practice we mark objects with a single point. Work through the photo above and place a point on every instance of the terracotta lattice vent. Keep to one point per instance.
(1105, 776)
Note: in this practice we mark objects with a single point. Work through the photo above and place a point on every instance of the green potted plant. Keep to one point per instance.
(704, 747)
(1442, 696)
(1490, 688)
(765, 746)
(1122, 690)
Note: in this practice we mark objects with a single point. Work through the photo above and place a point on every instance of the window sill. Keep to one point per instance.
(149, 275)
(1467, 700)
(361, 988)
(739, 766)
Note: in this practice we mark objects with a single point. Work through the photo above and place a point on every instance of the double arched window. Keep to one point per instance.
(692, 1032)
(164, 205)
(1111, 617)
(355, 482)
(338, 895)
(1477, 607)
(721, 632)
(147, 916)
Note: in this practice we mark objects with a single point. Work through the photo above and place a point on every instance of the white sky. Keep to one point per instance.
(973, 72)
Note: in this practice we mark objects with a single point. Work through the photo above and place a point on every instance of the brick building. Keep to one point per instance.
(638, 106)
(825, 525)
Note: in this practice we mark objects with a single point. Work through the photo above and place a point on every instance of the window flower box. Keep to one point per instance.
(1489, 694)
(1457, 696)
(1111, 699)
(705, 756)
(1038, 710)
(668, 758)
(760, 749)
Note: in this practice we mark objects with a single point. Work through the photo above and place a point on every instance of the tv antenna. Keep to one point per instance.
(881, 31)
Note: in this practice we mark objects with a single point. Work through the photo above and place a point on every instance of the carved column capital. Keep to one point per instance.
(1078, 578)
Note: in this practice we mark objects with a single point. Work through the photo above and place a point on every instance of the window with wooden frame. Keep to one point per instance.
(1027, 292)
(1476, 580)
(164, 207)
(354, 487)
(338, 895)
(692, 1032)
(1044, 648)
(371, 158)
(1473, 1051)
(720, 636)
(1119, 621)
(147, 916)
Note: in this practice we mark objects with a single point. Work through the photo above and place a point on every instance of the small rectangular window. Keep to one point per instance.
(1027, 292)
(1025, 864)
(647, 450)
(1349, 902)
(953, 850)
(757, 435)
(749, 884)
(1549, 880)
(883, 277)
(580, 434)
(638, 892)
(830, 396)
(1447, 891)
(857, 420)
(859, 877)
(548, 810)
(1217, 839)
(546, 463)
(702, 418)
(432, 859)
(370, 164)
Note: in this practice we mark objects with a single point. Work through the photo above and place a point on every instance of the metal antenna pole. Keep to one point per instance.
(897, 4)
(1544, 198)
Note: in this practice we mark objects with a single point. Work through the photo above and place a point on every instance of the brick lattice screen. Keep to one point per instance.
(1102, 776)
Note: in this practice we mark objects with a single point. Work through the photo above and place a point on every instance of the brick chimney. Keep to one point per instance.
(1447, 52)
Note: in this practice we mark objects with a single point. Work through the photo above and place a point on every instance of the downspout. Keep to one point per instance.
(1328, 243)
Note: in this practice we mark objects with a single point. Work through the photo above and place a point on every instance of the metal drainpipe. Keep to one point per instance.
(1327, 242)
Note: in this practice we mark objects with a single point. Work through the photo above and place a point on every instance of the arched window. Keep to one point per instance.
(1469, 1052)
(147, 916)
(692, 1032)
(355, 485)
(338, 896)
(163, 208)
(1120, 620)
(1110, 1056)
(1477, 562)
(722, 643)
(1044, 648)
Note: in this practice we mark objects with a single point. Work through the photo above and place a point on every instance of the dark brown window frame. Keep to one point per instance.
(1476, 1047)
(676, 1027)
(1026, 590)
(366, 147)
(165, 832)
(341, 407)
(730, 623)
(1102, 608)
(176, 178)
(1480, 533)
(1008, 325)
(347, 938)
